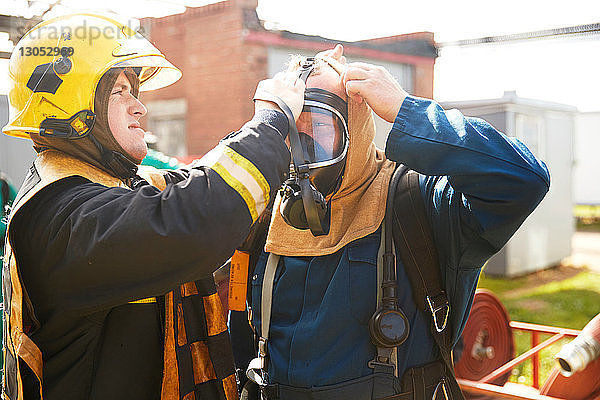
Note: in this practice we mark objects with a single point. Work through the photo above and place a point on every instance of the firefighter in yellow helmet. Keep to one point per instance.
(107, 278)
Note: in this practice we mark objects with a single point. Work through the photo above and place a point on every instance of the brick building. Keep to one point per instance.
(223, 50)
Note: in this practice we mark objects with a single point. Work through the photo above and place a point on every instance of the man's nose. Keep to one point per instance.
(138, 108)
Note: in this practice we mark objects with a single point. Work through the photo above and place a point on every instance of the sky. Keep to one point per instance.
(559, 70)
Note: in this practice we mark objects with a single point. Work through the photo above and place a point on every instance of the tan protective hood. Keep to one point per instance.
(357, 209)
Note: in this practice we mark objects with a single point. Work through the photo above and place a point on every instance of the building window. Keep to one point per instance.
(167, 127)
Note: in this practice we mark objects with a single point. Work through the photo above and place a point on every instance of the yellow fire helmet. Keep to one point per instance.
(56, 66)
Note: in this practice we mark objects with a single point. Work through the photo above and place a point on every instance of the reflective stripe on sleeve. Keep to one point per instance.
(144, 301)
(239, 173)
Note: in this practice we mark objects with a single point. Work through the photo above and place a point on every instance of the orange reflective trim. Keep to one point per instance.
(31, 354)
(170, 382)
(190, 396)
(181, 335)
(16, 302)
(215, 318)
(18, 343)
(144, 301)
(15, 326)
(203, 368)
(153, 175)
(189, 289)
(230, 387)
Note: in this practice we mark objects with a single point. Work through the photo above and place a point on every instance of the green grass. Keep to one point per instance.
(588, 226)
(568, 303)
(587, 217)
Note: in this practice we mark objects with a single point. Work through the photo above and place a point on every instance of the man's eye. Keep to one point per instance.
(118, 92)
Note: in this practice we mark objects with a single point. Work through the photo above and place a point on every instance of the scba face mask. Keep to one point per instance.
(323, 133)
(319, 144)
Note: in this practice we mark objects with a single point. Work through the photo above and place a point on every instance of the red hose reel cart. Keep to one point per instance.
(488, 357)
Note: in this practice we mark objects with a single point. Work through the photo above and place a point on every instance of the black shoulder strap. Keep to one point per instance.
(414, 239)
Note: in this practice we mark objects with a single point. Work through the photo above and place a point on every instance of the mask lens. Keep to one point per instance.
(322, 134)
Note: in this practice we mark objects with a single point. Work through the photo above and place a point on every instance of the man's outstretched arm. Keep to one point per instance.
(88, 246)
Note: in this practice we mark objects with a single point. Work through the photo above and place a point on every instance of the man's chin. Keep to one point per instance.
(143, 154)
(138, 154)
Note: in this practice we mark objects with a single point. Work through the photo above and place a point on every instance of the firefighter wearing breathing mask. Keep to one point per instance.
(107, 275)
(321, 331)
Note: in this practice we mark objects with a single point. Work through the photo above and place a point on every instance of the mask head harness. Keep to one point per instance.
(319, 144)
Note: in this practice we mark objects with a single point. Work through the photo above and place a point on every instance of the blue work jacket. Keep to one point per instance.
(478, 186)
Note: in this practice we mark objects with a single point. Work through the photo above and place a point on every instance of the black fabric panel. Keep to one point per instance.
(221, 354)
(31, 385)
(131, 347)
(195, 319)
(186, 370)
(206, 286)
(221, 390)
(242, 342)
(176, 300)
(210, 390)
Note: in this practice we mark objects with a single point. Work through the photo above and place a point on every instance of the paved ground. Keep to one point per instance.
(586, 250)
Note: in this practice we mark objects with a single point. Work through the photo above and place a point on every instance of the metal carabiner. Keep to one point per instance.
(440, 324)
(442, 384)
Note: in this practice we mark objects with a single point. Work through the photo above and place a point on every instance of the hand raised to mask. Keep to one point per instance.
(336, 53)
(375, 85)
(287, 87)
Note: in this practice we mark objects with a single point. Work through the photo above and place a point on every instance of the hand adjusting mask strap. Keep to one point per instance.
(319, 144)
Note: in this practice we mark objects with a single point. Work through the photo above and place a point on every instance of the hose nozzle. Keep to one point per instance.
(585, 348)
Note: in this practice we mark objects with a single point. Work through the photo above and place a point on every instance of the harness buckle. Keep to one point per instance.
(439, 311)
(262, 347)
(383, 360)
